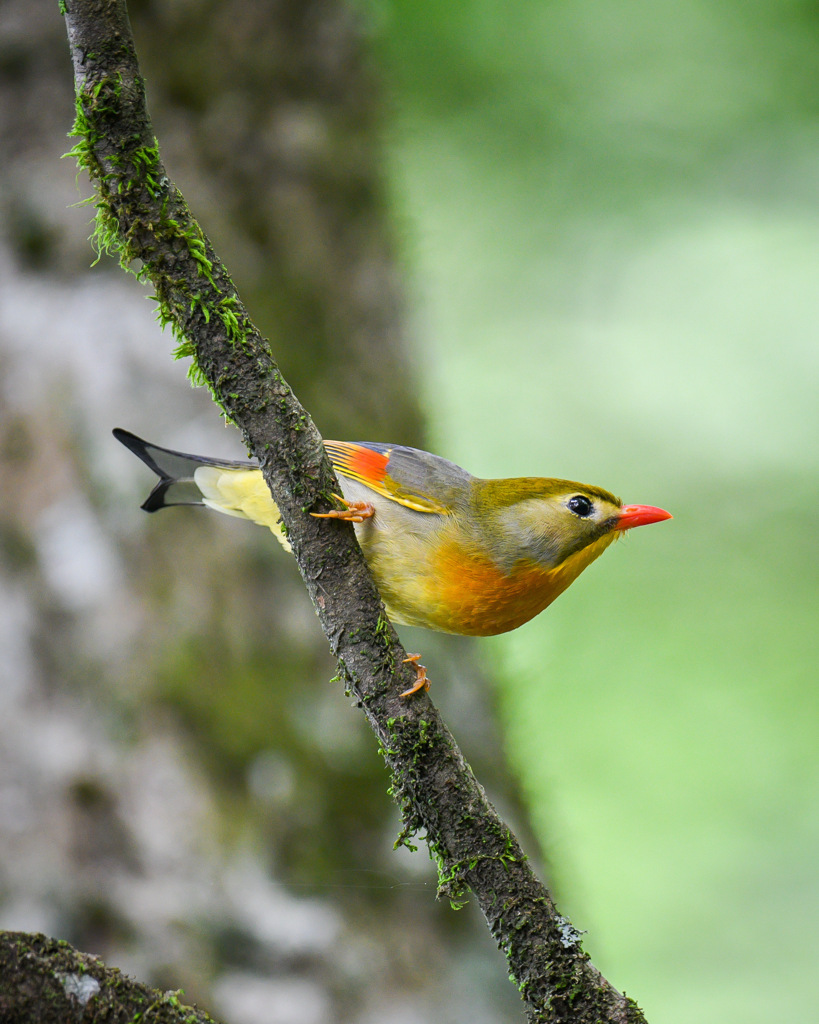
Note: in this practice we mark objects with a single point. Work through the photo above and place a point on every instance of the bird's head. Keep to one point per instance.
(548, 520)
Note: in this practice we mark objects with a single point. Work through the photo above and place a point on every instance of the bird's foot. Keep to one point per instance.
(421, 681)
(353, 511)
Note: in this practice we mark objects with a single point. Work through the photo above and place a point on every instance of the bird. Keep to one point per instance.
(447, 550)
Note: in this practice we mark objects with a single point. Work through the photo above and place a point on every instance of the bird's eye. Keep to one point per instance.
(580, 505)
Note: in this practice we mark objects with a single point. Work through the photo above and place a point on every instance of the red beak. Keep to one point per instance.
(640, 515)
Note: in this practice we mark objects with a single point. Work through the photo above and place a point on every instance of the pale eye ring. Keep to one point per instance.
(580, 505)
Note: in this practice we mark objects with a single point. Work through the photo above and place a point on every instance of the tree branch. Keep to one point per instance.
(142, 217)
(45, 981)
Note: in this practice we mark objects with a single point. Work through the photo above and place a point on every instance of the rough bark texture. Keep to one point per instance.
(143, 216)
(46, 981)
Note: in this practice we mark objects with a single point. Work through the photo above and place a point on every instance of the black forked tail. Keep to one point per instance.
(175, 470)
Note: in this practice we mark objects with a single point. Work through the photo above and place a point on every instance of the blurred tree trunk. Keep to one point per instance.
(273, 114)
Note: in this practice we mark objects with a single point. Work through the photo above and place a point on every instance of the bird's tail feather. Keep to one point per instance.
(176, 485)
(231, 487)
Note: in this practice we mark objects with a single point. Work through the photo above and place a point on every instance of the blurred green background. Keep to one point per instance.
(614, 228)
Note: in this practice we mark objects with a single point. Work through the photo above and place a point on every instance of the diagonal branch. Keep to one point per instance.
(142, 217)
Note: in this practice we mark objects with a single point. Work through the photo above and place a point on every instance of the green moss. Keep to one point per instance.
(384, 639)
(172, 1000)
(121, 184)
(105, 236)
(228, 309)
(146, 161)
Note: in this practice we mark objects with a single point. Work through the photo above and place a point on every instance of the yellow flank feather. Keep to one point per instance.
(242, 493)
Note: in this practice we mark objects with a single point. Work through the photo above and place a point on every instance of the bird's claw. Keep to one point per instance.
(421, 681)
(353, 511)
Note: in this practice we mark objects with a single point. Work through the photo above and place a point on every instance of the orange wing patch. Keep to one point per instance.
(369, 467)
(359, 463)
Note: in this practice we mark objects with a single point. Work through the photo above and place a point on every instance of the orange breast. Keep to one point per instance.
(469, 594)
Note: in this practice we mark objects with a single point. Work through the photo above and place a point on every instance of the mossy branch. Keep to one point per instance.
(142, 217)
(45, 981)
